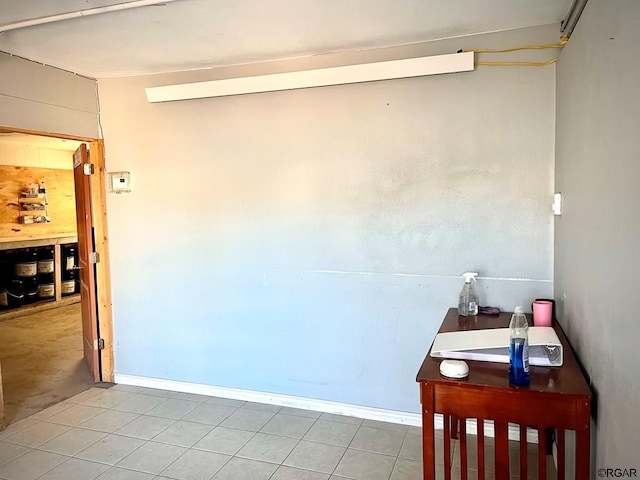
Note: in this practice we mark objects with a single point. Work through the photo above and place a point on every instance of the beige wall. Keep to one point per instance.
(45, 99)
(596, 245)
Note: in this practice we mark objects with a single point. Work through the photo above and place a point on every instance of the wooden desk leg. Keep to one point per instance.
(583, 440)
(561, 452)
(428, 443)
(501, 449)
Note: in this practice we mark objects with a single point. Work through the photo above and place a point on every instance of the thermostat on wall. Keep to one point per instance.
(119, 182)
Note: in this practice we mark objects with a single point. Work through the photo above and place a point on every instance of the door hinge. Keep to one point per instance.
(88, 169)
(100, 342)
(94, 257)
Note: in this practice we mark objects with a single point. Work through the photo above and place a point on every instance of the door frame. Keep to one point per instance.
(99, 212)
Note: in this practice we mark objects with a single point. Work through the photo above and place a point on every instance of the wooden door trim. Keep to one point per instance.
(103, 276)
(99, 210)
(3, 423)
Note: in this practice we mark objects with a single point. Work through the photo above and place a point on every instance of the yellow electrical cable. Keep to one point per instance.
(517, 64)
(563, 41)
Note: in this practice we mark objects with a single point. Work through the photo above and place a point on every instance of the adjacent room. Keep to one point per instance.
(281, 198)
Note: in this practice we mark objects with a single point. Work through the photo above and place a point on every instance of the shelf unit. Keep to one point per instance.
(33, 209)
(59, 300)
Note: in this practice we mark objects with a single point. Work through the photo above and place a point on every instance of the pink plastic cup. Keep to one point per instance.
(542, 313)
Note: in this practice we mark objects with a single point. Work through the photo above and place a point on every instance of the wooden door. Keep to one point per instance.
(87, 268)
(3, 423)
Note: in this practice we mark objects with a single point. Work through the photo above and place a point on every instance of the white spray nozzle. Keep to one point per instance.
(468, 276)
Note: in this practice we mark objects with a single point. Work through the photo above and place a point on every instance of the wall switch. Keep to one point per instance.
(557, 204)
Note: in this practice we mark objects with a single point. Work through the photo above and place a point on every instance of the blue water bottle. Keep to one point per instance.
(519, 349)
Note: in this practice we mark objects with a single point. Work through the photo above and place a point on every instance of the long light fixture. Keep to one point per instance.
(81, 13)
(366, 72)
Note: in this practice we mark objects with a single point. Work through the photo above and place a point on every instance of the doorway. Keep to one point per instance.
(97, 317)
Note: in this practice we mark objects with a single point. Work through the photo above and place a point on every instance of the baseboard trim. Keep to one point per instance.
(325, 406)
(304, 403)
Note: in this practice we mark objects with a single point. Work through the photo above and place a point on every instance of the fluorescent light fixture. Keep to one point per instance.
(367, 72)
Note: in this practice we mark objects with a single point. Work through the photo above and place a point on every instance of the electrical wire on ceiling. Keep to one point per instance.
(563, 41)
(568, 25)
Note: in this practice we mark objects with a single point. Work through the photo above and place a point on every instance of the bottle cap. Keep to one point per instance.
(518, 309)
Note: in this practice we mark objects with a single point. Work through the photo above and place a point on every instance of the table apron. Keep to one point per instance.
(525, 407)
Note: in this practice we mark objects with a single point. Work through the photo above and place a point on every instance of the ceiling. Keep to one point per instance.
(191, 34)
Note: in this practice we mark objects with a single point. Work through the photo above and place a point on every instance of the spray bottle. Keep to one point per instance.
(468, 303)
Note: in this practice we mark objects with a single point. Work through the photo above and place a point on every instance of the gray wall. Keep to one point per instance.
(596, 244)
(46, 99)
(309, 242)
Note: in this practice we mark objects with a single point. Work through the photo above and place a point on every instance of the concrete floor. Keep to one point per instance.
(42, 361)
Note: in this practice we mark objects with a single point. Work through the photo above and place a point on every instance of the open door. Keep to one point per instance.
(3, 423)
(81, 172)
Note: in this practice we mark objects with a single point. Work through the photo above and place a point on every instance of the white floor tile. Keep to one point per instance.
(248, 419)
(184, 434)
(341, 418)
(109, 421)
(75, 415)
(224, 440)
(332, 433)
(406, 469)
(52, 410)
(10, 451)
(75, 468)
(145, 427)
(243, 469)
(108, 398)
(360, 465)
(37, 434)
(116, 473)
(290, 473)
(288, 425)
(31, 466)
(140, 403)
(152, 457)
(209, 413)
(268, 448)
(174, 408)
(72, 441)
(110, 449)
(378, 441)
(315, 456)
(196, 465)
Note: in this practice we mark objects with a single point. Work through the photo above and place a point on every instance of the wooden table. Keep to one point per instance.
(558, 398)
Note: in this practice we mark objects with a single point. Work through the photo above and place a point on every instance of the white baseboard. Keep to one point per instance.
(325, 406)
(304, 403)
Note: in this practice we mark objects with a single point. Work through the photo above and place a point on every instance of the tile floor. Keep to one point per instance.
(132, 433)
